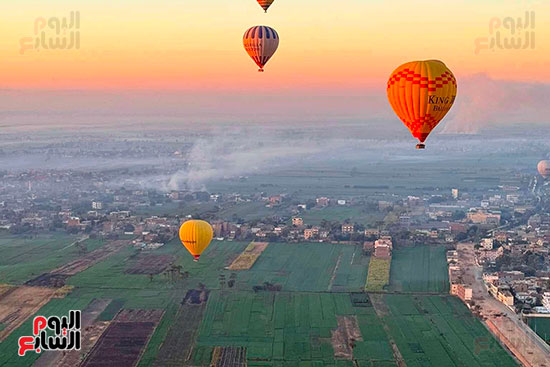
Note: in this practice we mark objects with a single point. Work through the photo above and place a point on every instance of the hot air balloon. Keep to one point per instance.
(265, 4)
(421, 93)
(196, 235)
(544, 168)
(261, 42)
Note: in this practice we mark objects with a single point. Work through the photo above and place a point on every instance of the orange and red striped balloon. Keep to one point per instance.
(261, 42)
(421, 93)
(265, 4)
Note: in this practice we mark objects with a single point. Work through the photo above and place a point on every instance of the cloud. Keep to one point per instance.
(241, 151)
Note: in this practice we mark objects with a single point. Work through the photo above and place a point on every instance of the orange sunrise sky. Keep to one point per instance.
(194, 44)
(185, 59)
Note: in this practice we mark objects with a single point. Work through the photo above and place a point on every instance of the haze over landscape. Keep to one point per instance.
(334, 241)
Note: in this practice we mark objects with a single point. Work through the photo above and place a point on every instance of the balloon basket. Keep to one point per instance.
(420, 146)
(260, 70)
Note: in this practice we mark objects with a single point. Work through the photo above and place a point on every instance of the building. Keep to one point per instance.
(73, 222)
(455, 193)
(487, 243)
(404, 221)
(275, 200)
(97, 205)
(297, 221)
(308, 233)
(506, 297)
(464, 293)
(510, 276)
(322, 201)
(414, 202)
(371, 232)
(482, 217)
(383, 247)
(347, 228)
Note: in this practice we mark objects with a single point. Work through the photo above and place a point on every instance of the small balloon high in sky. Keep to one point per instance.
(421, 93)
(265, 4)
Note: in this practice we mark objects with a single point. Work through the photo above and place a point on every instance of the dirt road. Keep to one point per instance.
(524, 343)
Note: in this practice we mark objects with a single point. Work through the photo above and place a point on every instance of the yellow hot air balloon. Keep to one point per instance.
(544, 168)
(265, 4)
(421, 93)
(196, 235)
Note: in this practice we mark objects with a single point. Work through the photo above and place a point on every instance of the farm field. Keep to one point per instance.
(289, 328)
(319, 311)
(123, 341)
(249, 256)
(379, 274)
(316, 267)
(328, 178)
(341, 213)
(19, 303)
(419, 269)
(440, 331)
(541, 325)
(25, 258)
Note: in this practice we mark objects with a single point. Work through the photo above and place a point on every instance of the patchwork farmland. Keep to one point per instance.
(297, 305)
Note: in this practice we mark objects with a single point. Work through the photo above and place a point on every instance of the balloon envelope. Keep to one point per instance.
(421, 93)
(261, 42)
(265, 4)
(544, 168)
(196, 235)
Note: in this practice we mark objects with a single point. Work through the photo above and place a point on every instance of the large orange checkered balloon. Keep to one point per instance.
(421, 93)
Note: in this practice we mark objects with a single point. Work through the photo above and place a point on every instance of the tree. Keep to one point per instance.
(458, 215)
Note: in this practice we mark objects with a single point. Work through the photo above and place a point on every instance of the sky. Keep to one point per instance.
(183, 59)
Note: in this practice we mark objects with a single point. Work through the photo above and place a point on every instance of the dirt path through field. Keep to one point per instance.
(381, 309)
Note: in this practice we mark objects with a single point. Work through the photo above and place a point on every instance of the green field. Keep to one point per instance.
(541, 325)
(309, 267)
(333, 178)
(341, 213)
(441, 331)
(419, 269)
(25, 258)
(288, 328)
